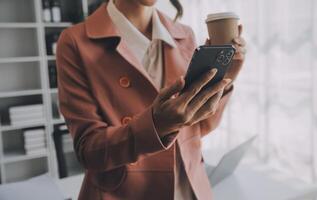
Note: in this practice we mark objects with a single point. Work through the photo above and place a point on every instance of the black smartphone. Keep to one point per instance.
(206, 58)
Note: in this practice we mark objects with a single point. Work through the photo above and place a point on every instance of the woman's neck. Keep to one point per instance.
(139, 15)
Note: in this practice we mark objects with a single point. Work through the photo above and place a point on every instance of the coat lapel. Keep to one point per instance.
(99, 26)
(125, 52)
(175, 64)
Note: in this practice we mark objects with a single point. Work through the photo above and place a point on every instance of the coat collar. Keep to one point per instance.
(99, 25)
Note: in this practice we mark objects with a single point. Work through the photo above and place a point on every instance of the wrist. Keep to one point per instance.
(161, 127)
(157, 125)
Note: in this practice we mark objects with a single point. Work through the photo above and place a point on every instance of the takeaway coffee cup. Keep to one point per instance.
(222, 27)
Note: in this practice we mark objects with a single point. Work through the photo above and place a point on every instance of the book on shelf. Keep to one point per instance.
(34, 132)
(29, 147)
(27, 122)
(26, 116)
(42, 150)
(26, 109)
(34, 141)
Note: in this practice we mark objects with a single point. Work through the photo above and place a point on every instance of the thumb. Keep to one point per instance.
(208, 41)
(168, 92)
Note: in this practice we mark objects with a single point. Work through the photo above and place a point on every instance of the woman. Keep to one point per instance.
(135, 135)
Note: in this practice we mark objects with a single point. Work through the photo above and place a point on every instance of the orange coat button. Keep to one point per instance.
(124, 82)
(126, 120)
(133, 164)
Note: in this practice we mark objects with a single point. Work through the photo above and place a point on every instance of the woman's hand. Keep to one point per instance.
(172, 111)
(238, 59)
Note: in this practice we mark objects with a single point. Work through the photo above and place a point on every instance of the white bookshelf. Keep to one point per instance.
(18, 25)
(19, 59)
(24, 80)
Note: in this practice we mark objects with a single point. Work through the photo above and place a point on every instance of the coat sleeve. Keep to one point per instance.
(98, 145)
(211, 123)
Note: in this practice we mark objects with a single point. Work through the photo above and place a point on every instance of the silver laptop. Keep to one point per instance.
(228, 162)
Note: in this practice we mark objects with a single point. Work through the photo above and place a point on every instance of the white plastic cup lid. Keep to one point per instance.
(222, 15)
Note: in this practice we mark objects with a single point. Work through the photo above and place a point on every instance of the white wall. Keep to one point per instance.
(276, 93)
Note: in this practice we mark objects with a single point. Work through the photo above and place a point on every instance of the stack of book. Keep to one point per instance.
(27, 114)
(34, 141)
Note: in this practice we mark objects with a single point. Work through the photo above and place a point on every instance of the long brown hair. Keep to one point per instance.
(179, 8)
(177, 5)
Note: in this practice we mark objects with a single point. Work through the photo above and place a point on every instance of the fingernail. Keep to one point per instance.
(214, 70)
(227, 80)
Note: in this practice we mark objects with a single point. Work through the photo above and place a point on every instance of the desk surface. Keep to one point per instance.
(258, 181)
(249, 184)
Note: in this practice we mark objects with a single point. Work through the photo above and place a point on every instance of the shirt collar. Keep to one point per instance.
(136, 41)
(130, 32)
(160, 32)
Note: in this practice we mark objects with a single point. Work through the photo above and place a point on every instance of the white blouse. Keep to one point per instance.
(149, 53)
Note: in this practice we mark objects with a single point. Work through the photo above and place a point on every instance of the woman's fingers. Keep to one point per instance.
(208, 41)
(240, 28)
(238, 56)
(239, 41)
(240, 49)
(195, 88)
(240, 53)
(208, 109)
(212, 103)
(205, 95)
(167, 93)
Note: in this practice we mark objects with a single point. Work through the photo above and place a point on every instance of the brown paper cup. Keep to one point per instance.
(222, 27)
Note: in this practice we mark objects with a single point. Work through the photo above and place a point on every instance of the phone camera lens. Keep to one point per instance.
(220, 58)
(229, 54)
(226, 61)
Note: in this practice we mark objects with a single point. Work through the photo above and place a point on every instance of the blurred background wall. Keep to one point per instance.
(276, 93)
